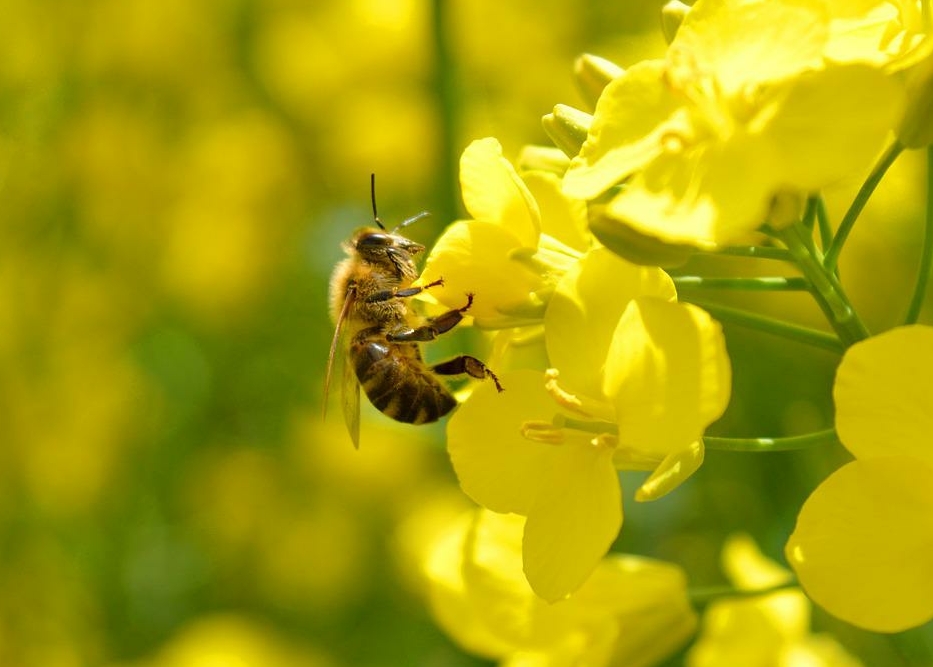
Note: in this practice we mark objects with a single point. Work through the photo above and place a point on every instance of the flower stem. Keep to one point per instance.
(796, 332)
(447, 101)
(826, 288)
(760, 284)
(864, 194)
(926, 253)
(701, 597)
(825, 437)
(758, 252)
(822, 221)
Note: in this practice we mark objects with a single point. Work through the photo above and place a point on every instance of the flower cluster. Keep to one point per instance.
(632, 611)
(632, 379)
(724, 144)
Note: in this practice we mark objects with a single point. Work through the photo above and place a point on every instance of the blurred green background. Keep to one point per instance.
(175, 180)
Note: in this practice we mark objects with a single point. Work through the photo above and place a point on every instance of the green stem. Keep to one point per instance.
(826, 288)
(760, 284)
(926, 253)
(759, 252)
(701, 597)
(789, 443)
(796, 332)
(864, 194)
(448, 104)
(822, 221)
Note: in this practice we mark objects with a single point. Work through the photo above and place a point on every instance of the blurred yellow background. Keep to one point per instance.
(175, 180)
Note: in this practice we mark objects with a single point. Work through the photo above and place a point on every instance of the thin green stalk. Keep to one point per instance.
(826, 288)
(702, 596)
(758, 252)
(760, 284)
(926, 252)
(822, 221)
(817, 438)
(447, 101)
(864, 194)
(773, 326)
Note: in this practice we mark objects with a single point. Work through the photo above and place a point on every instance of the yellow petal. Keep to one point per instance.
(863, 543)
(692, 197)
(673, 471)
(562, 218)
(632, 116)
(649, 599)
(493, 191)
(497, 466)
(817, 114)
(449, 598)
(668, 375)
(574, 520)
(473, 257)
(743, 41)
(585, 309)
(884, 395)
(749, 569)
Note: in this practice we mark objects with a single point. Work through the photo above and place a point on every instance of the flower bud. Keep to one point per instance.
(592, 74)
(568, 128)
(672, 15)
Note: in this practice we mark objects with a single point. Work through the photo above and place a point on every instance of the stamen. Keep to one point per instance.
(563, 398)
(541, 431)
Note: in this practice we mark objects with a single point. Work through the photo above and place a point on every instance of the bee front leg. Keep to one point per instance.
(467, 365)
(434, 327)
(395, 293)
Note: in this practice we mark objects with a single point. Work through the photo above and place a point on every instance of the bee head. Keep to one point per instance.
(392, 251)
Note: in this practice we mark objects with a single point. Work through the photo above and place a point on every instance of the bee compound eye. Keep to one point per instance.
(374, 240)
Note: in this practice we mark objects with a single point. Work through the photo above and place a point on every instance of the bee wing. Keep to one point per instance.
(351, 388)
(351, 401)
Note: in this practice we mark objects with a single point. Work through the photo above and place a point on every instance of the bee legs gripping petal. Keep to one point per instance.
(466, 365)
(434, 327)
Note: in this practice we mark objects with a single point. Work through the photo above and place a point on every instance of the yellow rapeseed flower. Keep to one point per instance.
(863, 541)
(742, 108)
(513, 250)
(768, 630)
(633, 611)
(637, 378)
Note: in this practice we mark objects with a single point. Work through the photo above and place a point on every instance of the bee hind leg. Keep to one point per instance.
(467, 365)
(434, 328)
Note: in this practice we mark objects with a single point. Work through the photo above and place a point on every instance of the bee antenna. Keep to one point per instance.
(408, 221)
(372, 191)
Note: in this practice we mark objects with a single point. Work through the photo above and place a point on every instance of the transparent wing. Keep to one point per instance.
(351, 401)
(351, 387)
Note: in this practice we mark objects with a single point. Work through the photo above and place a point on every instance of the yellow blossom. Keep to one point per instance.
(638, 377)
(512, 251)
(770, 630)
(742, 108)
(632, 611)
(862, 544)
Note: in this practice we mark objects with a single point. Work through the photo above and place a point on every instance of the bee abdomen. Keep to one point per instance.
(401, 386)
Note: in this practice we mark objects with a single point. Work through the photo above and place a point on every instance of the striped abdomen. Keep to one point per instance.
(398, 383)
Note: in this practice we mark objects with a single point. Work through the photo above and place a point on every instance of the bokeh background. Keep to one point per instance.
(175, 180)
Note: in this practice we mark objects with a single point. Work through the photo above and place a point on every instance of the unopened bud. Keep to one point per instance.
(568, 128)
(672, 15)
(592, 74)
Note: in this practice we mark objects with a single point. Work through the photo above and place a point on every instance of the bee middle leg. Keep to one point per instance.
(466, 365)
(432, 329)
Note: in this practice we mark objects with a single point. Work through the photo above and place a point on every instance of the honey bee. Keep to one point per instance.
(379, 335)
